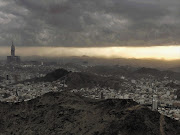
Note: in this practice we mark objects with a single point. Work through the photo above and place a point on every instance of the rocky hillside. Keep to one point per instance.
(70, 114)
(133, 72)
(175, 69)
(55, 75)
(1, 78)
(50, 77)
(172, 85)
(157, 73)
(111, 70)
(178, 94)
(94, 78)
(76, 80)
(83, 80)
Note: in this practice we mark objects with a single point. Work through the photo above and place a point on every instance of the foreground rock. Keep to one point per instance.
(70, 114)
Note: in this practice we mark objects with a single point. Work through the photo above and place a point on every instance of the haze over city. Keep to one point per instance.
(89, 67)
(114, 25)
(153, 52)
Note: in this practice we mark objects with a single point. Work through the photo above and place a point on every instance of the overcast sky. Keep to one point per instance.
(89, 22)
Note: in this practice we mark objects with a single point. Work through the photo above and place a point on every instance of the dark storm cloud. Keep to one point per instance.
(89, 22)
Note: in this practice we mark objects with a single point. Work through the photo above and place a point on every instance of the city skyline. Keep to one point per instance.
(90, 67)
(110, 29)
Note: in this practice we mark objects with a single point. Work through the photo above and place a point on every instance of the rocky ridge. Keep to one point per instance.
(71, 114)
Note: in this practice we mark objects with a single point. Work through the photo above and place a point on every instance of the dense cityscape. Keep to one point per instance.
(18, 83)
(89, 67)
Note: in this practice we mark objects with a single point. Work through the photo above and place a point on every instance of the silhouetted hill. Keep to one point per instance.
(70, 114)
(1, 78)
(157, 73)
(175, 86)
(108, 79)
(55, 75)
(82, 80)
(175, 69)
(50, 77)
(74, 66)
(172, 85)
(132, 72)
(147, 71)
(178, 94)
(111, 70)
(79, 79)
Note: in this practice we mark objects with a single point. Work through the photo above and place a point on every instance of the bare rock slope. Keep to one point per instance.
(66, 113)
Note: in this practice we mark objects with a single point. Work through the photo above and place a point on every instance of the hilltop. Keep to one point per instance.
(1, 78)
(71, 114)
(79, 79)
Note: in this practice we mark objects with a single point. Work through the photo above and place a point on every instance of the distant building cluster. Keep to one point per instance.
(149, 91)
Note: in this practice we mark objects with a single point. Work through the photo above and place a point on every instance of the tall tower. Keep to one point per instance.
(12, 50)
(13, 58)
(155, 103)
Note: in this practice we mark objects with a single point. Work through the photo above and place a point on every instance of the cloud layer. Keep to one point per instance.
(89, 22)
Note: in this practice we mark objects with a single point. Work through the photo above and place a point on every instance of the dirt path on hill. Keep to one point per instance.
(162, 123)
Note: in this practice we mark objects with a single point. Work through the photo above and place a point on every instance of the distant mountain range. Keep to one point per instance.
(66, 113)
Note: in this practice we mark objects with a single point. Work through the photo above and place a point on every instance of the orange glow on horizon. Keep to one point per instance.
(153, 52)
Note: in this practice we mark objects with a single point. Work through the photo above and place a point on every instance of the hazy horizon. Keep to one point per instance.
(153, 52)
(133, 29)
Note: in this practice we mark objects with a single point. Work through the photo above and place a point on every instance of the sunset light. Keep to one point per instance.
(154, 52)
